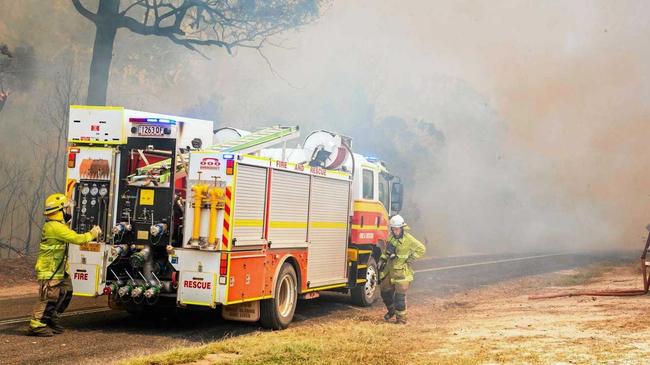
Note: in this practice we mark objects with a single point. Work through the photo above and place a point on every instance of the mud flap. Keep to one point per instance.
(245, 312)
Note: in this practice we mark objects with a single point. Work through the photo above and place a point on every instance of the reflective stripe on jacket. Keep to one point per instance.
(52, 252)
(406, 248)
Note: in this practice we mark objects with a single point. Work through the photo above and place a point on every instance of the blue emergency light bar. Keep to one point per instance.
(152, 120)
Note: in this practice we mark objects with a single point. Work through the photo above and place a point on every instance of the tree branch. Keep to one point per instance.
(139, 2)
(226, 25)
(142, 29)
(9, 247)
(272, 69)
(85, 12)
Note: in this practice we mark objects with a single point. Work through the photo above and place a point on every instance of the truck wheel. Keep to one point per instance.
(366, 294)
(276, 313)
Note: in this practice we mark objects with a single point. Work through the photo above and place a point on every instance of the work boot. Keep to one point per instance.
(42, 331)
(401, 319)
(390, 314)
(56, 327)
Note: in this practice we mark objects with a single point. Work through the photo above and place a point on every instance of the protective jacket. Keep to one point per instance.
(52, 254)
(398, 268)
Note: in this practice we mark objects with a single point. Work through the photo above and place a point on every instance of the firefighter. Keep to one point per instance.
(55, 286)
(396, 273)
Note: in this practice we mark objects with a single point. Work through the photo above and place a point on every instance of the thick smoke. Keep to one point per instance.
(478, 194)
(515, 126)
(468, 189)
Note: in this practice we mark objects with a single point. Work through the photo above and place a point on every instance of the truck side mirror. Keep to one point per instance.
(396, 196)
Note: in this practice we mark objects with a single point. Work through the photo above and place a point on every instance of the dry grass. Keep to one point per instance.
(341, 341)
(497, 324)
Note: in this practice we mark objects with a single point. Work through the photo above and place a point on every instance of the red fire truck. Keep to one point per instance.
(221, 219)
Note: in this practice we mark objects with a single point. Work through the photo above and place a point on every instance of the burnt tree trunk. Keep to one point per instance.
(106, 29)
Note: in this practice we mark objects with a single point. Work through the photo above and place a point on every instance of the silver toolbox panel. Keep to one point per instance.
(328, 231)
(288, 210)
(248, 212)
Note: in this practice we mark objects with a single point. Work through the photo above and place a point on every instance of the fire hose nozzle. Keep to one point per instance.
(120, 250)
(109, 289)
(158, 229)
(124, 291)
(138, 259)
(121, 228)
(137, 291)
(152, 292)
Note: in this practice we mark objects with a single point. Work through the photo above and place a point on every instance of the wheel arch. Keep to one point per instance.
(290, 259)
(375, 249)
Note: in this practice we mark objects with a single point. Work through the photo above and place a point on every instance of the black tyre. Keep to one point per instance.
(366, 294)
(276, 313)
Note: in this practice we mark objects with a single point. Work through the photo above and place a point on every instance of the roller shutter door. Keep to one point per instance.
(328, 231)
(288, 209)
(250, 194)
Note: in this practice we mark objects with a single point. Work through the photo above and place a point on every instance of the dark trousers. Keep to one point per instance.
(53, 298)
(394, 295)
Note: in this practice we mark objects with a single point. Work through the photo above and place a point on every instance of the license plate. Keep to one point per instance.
(150, 130)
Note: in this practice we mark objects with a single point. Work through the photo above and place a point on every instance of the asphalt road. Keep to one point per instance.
(99, 336)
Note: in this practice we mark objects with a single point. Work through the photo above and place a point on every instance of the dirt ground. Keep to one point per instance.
(17, 277)
(501, 324)
(493, 324)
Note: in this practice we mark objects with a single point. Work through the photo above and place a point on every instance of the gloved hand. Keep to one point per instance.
(390, 251)
(96, 231)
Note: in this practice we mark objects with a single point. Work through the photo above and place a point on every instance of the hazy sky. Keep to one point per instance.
(543, 101)
(569, 80)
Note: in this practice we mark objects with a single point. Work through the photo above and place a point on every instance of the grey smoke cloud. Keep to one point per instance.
(541, 106)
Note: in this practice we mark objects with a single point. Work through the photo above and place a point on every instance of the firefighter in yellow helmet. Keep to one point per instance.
(55, 286)
(396, 273)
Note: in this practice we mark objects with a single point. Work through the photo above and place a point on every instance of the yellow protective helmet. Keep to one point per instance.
(55, 203)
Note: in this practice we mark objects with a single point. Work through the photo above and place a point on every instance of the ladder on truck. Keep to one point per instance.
(256, 141)
(247, 144)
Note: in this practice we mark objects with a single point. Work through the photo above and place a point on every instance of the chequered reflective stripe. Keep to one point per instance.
(225, 239)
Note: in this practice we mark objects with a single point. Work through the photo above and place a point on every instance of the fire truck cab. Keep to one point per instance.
(199, 218)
